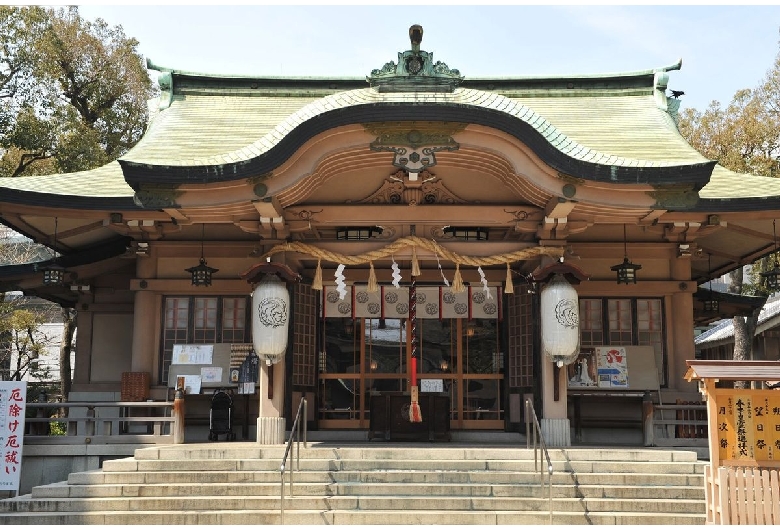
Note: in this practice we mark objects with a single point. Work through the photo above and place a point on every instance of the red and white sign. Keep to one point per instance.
(13, 401)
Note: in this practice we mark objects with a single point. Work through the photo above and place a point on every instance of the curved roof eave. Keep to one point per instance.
(74, 202)
(468, 106)
(729, 191)
(101, 188)
(11, 275)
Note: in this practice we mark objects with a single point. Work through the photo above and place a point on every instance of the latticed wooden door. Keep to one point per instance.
(521, 340)
(304, 341)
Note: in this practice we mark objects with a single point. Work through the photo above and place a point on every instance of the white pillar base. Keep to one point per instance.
(556, 432)
(270, 431)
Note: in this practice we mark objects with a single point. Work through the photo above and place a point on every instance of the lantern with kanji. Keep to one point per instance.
(270, 310)
(560, 315)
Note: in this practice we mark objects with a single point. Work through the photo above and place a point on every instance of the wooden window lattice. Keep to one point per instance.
(521, 340)
(304, 349)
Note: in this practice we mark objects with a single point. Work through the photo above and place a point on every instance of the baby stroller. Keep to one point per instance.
(221, 416)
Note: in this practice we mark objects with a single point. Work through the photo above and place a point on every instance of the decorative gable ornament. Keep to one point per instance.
(415, 71)
(414, 149)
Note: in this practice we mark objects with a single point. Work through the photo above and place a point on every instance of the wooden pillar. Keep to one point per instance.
(144, 319)
(681, 345)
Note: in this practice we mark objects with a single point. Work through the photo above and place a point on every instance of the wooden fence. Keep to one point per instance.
(742, 495)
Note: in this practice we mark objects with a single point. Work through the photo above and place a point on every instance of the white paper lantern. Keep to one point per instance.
(270, 318)
(560, 321)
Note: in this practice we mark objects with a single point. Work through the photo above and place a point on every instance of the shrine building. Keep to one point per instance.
(427, 228)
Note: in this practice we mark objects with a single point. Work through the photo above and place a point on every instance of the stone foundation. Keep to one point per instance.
(270, 431)
(556, 432)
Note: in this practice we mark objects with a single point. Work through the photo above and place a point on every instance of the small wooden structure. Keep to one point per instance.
(742, 482)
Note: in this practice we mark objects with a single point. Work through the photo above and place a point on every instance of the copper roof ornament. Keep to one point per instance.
(416, 35)
(415, 71)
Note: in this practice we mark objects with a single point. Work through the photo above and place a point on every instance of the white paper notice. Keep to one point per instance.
(211, 374)
(192, 353)
(431, 385)
(191, 384)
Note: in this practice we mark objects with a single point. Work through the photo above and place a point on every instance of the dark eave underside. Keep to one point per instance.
(106, 250)
(75, 202)
(747, 204)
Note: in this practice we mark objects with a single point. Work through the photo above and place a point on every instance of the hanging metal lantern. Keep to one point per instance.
(560, 320)
(270, 318)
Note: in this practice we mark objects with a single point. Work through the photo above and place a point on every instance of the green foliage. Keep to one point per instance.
(73, 93)
(24, 344)
(743, 137)
(58, 428)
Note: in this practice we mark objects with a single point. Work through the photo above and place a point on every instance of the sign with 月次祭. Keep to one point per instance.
(748, 425)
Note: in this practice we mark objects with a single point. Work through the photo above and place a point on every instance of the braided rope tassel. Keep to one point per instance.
(415, 415)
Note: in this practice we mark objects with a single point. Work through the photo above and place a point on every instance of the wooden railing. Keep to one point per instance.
(675, 425)
(161, 422)
(114, 422)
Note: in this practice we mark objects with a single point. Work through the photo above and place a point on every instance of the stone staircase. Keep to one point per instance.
(234, 483)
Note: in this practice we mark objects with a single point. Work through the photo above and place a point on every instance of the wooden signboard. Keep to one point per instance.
(204, 366)
(614, 368)
(748, 426)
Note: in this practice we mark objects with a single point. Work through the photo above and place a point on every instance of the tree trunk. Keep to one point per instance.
(744, 327)
(69, 329)
(5, 356)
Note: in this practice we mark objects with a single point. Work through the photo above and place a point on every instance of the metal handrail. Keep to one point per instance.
(295, 434)
(530, 414)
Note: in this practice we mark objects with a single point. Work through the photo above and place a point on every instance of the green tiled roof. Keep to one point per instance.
(103, 182)
(630, 127)
(726, 184)
(198, 127)
(210, 130)
(621, 126)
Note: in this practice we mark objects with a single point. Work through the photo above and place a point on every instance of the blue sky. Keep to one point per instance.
(723, 48)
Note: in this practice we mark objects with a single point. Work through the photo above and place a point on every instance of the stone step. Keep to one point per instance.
(367, 464)
(636, 479)
(250, 451)
(63, 490)
(405, 503)
(383, 476)
(348, 517)
(235, 483)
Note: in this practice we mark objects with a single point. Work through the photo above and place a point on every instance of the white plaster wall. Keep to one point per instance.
(112, 343)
